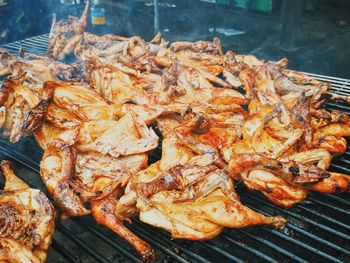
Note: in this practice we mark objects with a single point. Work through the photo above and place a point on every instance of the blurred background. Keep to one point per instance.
(313, 34)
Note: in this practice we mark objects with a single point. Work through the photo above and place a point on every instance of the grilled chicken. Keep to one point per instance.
(90, 147)
(22, 110)
(27, 221)
(34, 69)
(65, 35)
(223, 118)
(179, 192)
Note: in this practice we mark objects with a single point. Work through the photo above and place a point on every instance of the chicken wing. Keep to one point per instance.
(65, 35)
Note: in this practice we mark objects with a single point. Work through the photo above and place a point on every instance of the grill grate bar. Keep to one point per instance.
(317, 252)
(340, 167)
(321, 240)
(309, 235)
(339, 210)
(107, 240)
(337, 107)
(340, 200)
(302, 218)
(327, 218)
(64, 252)
(154, 241)
(297, 242)
(328, 78)
(34, 44)
(247, 248)
(344, 160)
(273, 246)
(186, 251)
(210, 245)
(97, 256)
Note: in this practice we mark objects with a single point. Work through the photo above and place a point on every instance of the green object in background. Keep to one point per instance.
(223, 2)
(241, 3)
(262, 5)
(257, 5)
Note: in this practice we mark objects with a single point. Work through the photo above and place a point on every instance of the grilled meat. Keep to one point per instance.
(93, 118)
(27, 221)
(65, 35)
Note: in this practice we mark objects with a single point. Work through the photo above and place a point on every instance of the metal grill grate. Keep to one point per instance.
(318, 228)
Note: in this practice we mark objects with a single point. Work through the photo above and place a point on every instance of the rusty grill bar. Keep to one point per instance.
(318, 228)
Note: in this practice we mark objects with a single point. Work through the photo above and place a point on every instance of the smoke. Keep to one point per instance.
(259, 25)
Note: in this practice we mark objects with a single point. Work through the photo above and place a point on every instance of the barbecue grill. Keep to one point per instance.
(318, 228)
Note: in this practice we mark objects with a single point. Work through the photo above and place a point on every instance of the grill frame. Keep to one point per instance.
(317, 228)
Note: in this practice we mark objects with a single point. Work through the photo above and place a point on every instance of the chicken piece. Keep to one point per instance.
(210, 64)
(78, 178)
(185, 213)
(127, 136)
(330, 137)
(97, 171)
(35, 69)
(57, 170)
(274, 188)
(6, 60)
(22, 109)
(34, 117)
(65, 119)
(201, 212)
(103, 210)
(68, 95)
(150, 113)
(301, 118)
(312, 84)
(331, 143)
(116, 87)
(166, 124)
(232, 70)
(47, 133)
(104, 178)
(294, 173)
(27, 221)
(180, 189)
(336, 183)
(199, 46)
(214, 130)
(97, 52)
(320, 157)
(284, 85)
(188, 86)
(249, 61)
(130, 55)
(65, 35)
(263, 133)
(182, 197)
